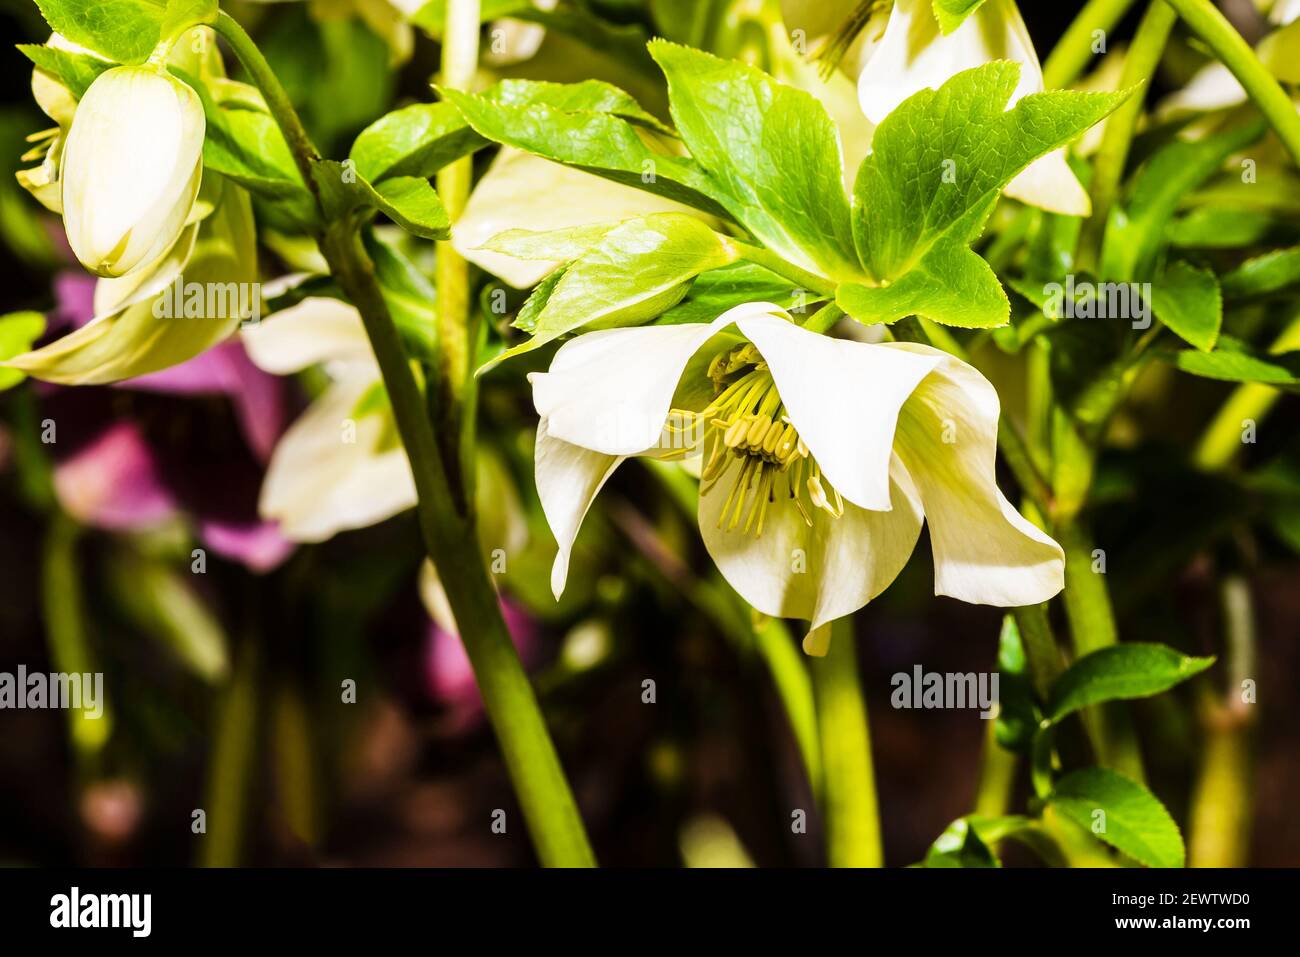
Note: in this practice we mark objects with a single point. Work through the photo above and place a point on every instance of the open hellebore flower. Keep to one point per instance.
(821, 457)
(132, 166)
(914, 55)
(340, 465)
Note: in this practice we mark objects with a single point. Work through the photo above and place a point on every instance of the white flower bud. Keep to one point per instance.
(131, 168)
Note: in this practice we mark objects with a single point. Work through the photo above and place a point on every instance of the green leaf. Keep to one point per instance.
(718, 290)
(550, 245)
(1215, 227)
(960, 846)
(771, 151)
(417, 140)
(595, 96)
(1235, 361)
(1120, 672)
(1135, 232)
(1186, 299)
(1017, 717)
(180, 15)
(942, 154)
(413, 204)
(532, 308)
(952, 13)
(123, 30)
(639, 270)
(18, 331)
(599, 143)
(951, 285)
(76, 71)
(1272, 272)
(1134, 821)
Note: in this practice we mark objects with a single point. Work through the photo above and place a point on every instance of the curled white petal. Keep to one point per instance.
(316, 330)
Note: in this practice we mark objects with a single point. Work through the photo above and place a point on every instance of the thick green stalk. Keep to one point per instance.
(1092, 627)
(1140, 64)
(449, 534)
(786, 664)
(1235, 53)
(997, 776)
(1074, 51)
(511, 705)
(1041, 651)
(1219, 830)
(228, 791)
(459, 65)
(848, 779)
(802, 278)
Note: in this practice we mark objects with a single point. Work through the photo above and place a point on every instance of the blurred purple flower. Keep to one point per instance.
(161, 460)
(448, 677)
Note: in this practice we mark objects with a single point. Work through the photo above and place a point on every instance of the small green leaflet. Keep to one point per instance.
(122, 30)
(1124, 671)
(952, 13)
(417, 140)
(771, 152)
(409, 201)
(1264, 275)
(639, 269)
(939, 162)
(550, 245)
(76, 71)
(960, 846)
(1186, 299)
(1235, 361)
(718, 290)
(1135, 822)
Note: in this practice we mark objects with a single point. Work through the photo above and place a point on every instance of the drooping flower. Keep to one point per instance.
(340, 465)
(821, 457)
(132, 165)
(914, 54)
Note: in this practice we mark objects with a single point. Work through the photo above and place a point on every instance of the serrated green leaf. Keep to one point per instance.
(18, 330)
(1135, 822)
(1235, 361)
(76, 71)
(123, 30)
(953, 13)
(1186, 299)
(1135, 231)
(1121, 672)
(772, 152)
(1263, 275)
(639, 270)
(417, 140)
(599, 143)
(941, 154)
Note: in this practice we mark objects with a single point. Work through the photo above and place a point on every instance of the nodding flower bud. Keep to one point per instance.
(131, 168)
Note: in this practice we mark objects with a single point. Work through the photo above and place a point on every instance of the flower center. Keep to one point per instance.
(749, 440)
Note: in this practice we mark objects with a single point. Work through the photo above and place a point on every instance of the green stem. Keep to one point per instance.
(1073, 51)
(1235, 53)
(824, 319)
(1092, 627)
(810, 282)
(451, 541)
(997, 776)
(459, 66)
(1140, 64)
(277, 100)
(1249, 402)
(1042, 653)
(790, 675)
(1219, 829)
(449, 533)
(228, 793)
(849, 786)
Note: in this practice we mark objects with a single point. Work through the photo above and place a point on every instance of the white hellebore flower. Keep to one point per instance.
(131, 168)
(914, 55)
(821, 457)
(340, 465)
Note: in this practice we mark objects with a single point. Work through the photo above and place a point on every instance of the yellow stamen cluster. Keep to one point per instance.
(746, 426)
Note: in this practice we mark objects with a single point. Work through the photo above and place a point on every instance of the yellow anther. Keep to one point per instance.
(757, 430)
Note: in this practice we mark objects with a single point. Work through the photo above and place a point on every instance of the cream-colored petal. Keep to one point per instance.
(1213, 87)
(611, 390)
(1285, 11)
(985, 552)
(1050, 184)
(843, 397)
(316, 330)
(333, 471)
(522, 191)
(568, 478)
(816, 573)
